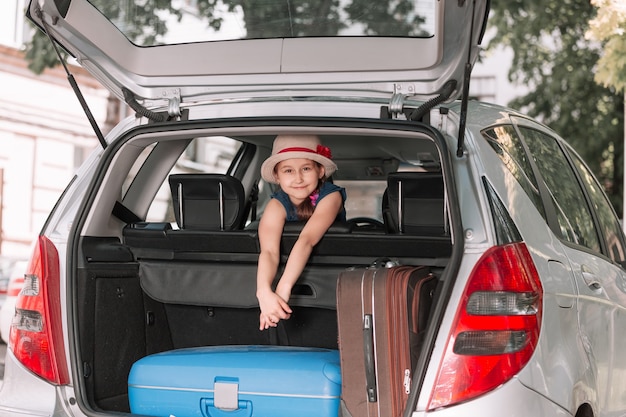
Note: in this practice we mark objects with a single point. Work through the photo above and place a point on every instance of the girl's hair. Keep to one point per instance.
(305, 210)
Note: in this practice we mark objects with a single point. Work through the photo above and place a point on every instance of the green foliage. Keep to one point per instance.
(555, 61)
(380, 17)
(612, 65)
(609, 27)
(298, 17)
(40, 53)
(142, 21)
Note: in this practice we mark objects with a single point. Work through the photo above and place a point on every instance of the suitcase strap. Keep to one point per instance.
(370, 364)
(368, 345)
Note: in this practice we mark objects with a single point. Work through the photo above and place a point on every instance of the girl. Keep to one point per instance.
(300, 165)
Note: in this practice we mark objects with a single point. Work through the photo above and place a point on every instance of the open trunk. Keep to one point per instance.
(168, 285)
(132, 306)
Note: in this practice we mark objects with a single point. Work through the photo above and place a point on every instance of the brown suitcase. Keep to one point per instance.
(381, 313)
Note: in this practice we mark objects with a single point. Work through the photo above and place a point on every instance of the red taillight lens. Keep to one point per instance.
(36, 337)
(496, 326)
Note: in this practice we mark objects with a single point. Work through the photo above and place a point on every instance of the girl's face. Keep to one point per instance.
(298, 177)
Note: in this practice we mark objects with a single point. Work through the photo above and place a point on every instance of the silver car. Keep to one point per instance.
(527, 253)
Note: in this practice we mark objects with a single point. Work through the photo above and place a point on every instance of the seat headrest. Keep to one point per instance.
(414, 203)
(207, 201)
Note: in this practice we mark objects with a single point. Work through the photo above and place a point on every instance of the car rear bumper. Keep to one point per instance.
(24, 394)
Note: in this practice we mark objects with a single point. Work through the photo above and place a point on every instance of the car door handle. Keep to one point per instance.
(590, 279)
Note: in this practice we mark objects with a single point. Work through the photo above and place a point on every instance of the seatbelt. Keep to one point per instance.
(252, 201)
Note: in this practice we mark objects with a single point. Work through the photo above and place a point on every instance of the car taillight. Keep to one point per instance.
(496, 327)
(36, 336)
(15, 286)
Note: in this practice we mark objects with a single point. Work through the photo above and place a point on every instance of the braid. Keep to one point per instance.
(304, 211)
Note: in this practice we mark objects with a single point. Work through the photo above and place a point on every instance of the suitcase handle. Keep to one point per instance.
(208, 408)
(368, 350)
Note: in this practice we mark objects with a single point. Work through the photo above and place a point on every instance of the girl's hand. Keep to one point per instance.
(273, 309)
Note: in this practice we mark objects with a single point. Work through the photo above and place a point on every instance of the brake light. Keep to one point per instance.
(496, 327)
(36, 336)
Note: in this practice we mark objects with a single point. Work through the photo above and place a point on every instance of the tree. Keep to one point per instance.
(609, 27)
(556, 61)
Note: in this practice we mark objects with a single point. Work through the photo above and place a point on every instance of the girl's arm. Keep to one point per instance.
(323, 217)
(273, 308)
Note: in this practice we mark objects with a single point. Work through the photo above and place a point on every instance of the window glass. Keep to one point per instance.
(573, 214)
(151, 23)
(507, 144)
(210, 154)
(609, 224)
(364, 198)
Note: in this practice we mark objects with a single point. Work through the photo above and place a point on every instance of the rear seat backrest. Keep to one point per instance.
(207, 201)
(414, 203)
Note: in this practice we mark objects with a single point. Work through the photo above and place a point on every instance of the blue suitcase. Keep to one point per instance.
(237, 381)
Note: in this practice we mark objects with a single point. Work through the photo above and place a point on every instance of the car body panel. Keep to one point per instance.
(562, 343)
(517, 400)
(20, 387)
(249, 91)
(602, 317)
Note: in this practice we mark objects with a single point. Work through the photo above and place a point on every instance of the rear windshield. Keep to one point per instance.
(155, 22)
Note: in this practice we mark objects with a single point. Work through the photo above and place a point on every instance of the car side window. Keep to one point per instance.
(574, 216)
(206, 154)
(609, 224)
(508, 146)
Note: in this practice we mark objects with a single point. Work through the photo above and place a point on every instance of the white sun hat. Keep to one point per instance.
(297, 146)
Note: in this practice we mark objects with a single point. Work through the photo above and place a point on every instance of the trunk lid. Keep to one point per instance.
(199, 50)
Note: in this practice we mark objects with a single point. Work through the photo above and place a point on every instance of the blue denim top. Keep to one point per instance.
(325, 189)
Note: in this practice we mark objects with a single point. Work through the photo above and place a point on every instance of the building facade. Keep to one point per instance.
(44, 135)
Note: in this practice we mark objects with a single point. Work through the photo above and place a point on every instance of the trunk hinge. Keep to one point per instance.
(72, 82)
(395, 107)
(466, 86)
(396, 104)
